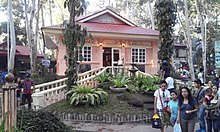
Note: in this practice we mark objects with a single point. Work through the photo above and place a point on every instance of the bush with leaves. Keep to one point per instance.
(104, 77)
(39, 121)
(87, 95)
(120, 80)
(145, 83)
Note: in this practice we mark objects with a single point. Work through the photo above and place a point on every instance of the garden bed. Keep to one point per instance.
(114, 106)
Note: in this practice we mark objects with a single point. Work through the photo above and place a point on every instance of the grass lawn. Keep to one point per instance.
(114, 105)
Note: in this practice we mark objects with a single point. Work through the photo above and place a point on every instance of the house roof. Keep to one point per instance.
(120, 29)
(20, 50)
(122, 26)
(102, 12)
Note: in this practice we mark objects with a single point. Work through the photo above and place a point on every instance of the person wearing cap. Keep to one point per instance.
(199, 96)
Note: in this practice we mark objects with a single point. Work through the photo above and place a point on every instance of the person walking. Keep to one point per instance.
(27, 91)
(200, 76)
(170, 82)
(19, 87)
(199, 96)
(173, 107)
(187, 110)
(212, 114)
(161, 98)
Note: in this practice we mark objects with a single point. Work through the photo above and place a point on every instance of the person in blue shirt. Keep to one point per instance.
(187, 110)
(3, 74)
(173, 107)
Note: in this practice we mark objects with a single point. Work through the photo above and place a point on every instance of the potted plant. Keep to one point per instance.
(119, 83)
(103, 80)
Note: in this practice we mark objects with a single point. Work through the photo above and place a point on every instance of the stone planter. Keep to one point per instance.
(118, 90)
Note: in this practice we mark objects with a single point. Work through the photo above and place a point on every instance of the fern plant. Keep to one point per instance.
(104, 77)
(87, 95)
(120, 81)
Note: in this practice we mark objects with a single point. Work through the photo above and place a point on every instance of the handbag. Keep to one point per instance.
(177, 127)
(156, 122)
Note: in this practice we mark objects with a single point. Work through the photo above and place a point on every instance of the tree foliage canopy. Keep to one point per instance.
(18, 15)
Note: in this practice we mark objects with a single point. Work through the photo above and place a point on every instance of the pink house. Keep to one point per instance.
(115, 38)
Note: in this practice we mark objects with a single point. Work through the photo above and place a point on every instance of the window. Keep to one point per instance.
(86, 53)
(138, 55)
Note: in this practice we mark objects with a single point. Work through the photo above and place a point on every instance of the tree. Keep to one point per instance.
(34, 7)
(165, 20)
(188, 40)
(74, 39)
(11, 40)
(18, 15)
(202, 23)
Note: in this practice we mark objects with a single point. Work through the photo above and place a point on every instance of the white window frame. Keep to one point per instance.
(87, 52)
(138, 55)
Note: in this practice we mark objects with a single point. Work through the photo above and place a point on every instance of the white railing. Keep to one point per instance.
(48, 93)
(143, 73)
(51, 85)
(48, 97)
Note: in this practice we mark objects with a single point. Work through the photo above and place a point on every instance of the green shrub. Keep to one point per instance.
(146, 83)
(104, 77)
(39, 121)
(87, 95)
(156, 79)
(120, 80)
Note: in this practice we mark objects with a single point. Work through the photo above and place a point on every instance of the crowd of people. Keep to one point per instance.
(188, 107)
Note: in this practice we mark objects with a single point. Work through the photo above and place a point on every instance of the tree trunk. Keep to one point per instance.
(30, 36)
(12, 38)
(151, 12)
(201, 22)
(36, 29)
(189, 41)
(72, 12)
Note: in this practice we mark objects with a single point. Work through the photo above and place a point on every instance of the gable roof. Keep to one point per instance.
(94, 24)
(118, 29)
(102, 12)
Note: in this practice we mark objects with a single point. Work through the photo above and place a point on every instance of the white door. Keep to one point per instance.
(116, 55)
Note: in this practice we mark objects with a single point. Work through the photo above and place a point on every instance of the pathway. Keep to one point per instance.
(125, 127)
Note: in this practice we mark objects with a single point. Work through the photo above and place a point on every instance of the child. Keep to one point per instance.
(208, 97)
(161, 97)
(173, 107)
(19, 87)
(207, 100)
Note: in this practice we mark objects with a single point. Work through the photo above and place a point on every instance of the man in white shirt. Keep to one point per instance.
(161, 99)
(170, 82)
(200, 76)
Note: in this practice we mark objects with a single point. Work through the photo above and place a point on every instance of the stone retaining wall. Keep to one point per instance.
(105, 118)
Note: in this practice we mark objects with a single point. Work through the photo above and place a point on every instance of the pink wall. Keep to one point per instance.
(61, 63)
(97, 58)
